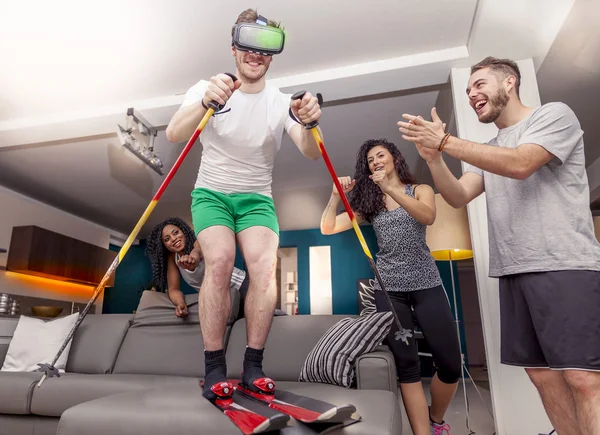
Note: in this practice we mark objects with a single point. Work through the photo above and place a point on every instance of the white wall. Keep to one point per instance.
(19, 210)
(320, 280)
(517, 407)
(289, 263)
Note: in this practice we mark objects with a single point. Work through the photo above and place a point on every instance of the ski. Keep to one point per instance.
(248, 416)
(304, 409)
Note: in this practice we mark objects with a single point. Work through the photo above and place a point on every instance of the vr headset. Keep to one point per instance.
(258, 37)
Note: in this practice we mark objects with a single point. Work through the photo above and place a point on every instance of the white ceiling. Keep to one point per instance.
(71, 55)
(70, 71)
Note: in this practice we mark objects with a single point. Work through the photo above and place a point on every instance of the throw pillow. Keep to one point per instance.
(333, 358)
(37, 341)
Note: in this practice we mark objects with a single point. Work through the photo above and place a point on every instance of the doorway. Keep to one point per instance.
(287, 279)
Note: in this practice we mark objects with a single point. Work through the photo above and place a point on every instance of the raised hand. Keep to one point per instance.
(347, 184)
(220, 88)
(380, 179)
(428, 134)
(306, 109)
(187, 262)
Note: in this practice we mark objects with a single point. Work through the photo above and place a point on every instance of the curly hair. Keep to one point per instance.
(155, 249)
(366, 198)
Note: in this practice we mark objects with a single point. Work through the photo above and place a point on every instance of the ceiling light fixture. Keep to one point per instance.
(138, 137)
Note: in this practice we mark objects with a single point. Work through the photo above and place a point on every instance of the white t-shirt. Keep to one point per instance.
(240, 142)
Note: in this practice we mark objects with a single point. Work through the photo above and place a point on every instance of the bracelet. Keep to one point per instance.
(203, 105)
(443, 142)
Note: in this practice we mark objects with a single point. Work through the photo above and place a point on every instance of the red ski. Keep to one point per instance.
(302, 408)
(248, 417)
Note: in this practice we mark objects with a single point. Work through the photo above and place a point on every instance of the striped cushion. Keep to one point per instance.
(332, 359)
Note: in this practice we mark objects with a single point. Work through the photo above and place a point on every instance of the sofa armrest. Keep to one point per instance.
(376, 371)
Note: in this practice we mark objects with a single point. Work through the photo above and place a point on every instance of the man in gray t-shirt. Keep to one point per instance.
(541, 236)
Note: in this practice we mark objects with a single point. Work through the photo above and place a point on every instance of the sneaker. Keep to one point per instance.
(440, 429)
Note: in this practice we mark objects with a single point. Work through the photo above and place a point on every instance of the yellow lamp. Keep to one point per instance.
(449, 237)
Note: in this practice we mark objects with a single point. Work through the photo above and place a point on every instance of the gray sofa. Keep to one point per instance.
(138, 374)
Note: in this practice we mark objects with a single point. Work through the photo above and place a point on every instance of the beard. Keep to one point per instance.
(246, 74)
(496, 106)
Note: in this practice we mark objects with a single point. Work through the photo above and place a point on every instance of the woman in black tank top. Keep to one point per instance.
(385, 193)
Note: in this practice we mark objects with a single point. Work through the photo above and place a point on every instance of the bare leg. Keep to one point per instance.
(585, 387)
(415, 403)
(441, 396)
(259, 248)
(558, 400)
(214, 301)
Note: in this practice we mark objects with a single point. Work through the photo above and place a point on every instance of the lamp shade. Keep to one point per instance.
(449, 237)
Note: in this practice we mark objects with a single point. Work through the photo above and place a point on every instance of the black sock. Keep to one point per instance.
(252, 367)
(216, 371)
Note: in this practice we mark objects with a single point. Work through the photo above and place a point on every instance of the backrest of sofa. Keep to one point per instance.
(290, 340)
(96, 343)
(159, 342)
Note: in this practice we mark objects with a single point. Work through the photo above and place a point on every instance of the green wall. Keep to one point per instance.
(348, 265)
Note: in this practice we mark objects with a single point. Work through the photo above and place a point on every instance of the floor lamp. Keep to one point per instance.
(449, 239)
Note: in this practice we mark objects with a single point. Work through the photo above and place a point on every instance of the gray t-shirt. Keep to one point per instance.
(542, 223)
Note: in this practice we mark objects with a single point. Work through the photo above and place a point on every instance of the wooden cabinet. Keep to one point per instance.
(40, 252)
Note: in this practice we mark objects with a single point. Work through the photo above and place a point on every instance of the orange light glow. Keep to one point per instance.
(50, 285)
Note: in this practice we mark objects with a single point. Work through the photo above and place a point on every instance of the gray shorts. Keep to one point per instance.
(551, 319)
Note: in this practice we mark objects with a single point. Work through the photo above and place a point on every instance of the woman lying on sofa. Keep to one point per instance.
(174, 252)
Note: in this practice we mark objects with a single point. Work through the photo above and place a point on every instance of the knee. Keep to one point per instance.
(219, 268)
(449, 371)
(409, 369)
(261, 268)
(583, 383)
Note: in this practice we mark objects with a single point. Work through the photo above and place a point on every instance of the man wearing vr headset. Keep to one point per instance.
(232, 199)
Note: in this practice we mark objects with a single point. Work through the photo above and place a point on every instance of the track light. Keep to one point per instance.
(138, 137)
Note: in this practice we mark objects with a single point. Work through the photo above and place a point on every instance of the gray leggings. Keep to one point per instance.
(432, 313)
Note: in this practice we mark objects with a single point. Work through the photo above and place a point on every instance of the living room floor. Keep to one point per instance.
(480, 419)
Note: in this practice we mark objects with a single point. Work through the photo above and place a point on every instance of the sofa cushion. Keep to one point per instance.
(96, 343)
(185, 412)
(158, 342)
(38, 341)
(289, 342)
(27, 425)
(162, 350)
(155, 308)
(59, 394)
(333, 358)
(15, 391)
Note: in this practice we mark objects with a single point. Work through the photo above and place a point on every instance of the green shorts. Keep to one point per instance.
(236, 211)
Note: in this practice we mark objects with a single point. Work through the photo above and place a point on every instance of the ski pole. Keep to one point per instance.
(48, 369)
(402, 333)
